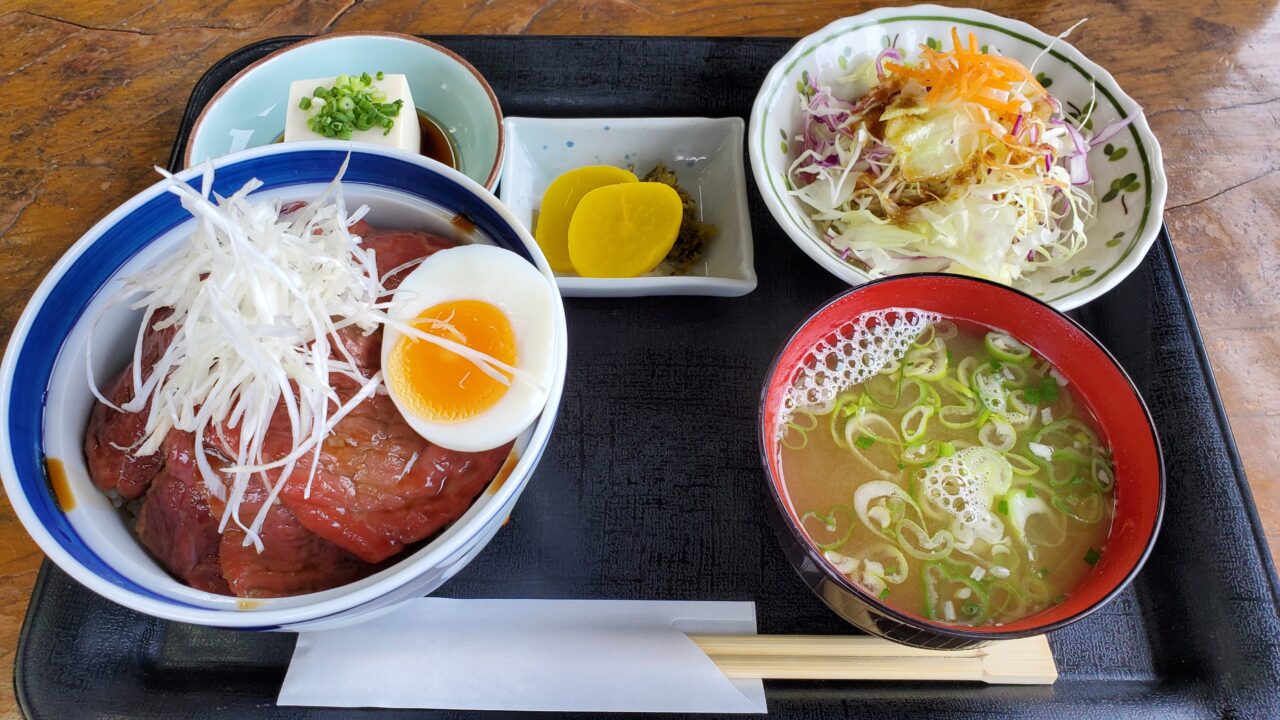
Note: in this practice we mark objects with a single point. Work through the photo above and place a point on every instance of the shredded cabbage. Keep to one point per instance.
(958, 162)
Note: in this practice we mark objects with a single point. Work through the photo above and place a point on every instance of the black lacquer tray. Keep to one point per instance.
(651, 487)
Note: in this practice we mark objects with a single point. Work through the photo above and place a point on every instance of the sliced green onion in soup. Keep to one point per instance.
(868, 493)
(959, 417)
(875, 426)
(887, 562)
(917, 542)
(1005, 348)
(927, 363)
(846, 406)
(1066, 434)
(1015, 376)
(884, 390)
(882, 458)
(891, 367)
(843, 564)
(1007, 599)
(918, 392)
(965, 370)
(1048, 530)
(1036, 590)
(921, 453)
(796, 433)
(1088, 508)
(1065, 467)
(988, 385)
(915, 423)
(997, 434)
(831, 530)
(931, 575)
(956, 392)
(1103, 474)
(1021, 465)
(945, 597)
(926, 336)
(1020, 413)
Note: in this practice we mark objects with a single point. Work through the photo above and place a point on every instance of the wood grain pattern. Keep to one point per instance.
(91, 95)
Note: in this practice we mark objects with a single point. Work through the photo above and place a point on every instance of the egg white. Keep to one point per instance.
(507, 281)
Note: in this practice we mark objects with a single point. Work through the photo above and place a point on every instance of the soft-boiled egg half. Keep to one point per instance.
(492, 302)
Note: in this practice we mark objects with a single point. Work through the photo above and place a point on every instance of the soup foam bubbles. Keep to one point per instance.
(854, 353)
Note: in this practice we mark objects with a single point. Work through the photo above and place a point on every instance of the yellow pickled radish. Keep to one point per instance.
(559, 202)
(624, 230)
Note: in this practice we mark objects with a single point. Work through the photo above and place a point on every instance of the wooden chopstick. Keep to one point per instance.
(1027, 661)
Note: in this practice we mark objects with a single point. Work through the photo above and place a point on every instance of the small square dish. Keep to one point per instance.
(704, 153)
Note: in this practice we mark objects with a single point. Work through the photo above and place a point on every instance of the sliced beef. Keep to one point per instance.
(293, 560)
(176, 522)
(108, 442)
(391, 248)
(111, 436)
(380, 485)
(366, 350)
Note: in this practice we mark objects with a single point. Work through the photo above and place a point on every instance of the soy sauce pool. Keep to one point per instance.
(989, 517)
(434, 141)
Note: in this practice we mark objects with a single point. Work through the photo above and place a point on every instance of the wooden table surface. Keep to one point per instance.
(91, 95)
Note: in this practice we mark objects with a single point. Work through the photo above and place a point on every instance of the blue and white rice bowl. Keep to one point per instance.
(45, 400)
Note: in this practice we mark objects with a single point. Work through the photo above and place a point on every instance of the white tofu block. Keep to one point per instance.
(404, 134)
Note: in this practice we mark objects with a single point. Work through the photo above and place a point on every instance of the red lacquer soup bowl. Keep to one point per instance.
(1093, 375)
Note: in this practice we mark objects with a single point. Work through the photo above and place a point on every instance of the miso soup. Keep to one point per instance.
(946, 468)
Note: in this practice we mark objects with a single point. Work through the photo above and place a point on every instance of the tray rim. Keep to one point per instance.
(1224, 423)
(193, 107)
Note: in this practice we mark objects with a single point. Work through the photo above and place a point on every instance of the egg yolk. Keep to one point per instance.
(440, 385)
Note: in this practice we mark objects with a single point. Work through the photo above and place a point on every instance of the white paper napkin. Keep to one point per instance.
(550, 655)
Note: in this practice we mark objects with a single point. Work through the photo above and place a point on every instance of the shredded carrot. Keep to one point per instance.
(906, 71)
(966, 74)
